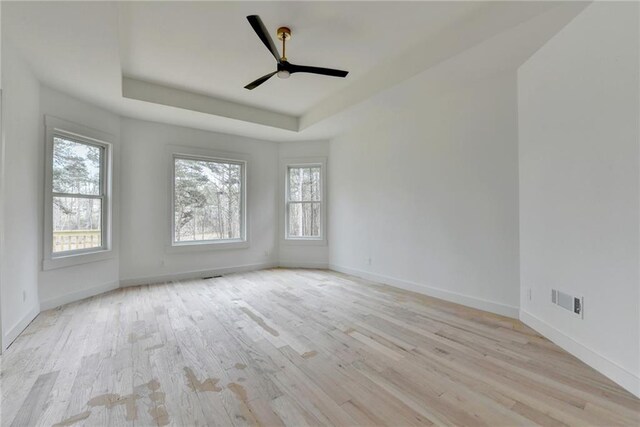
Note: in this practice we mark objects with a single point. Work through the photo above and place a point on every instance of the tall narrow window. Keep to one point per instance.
(208, 200)
(78, 196)
(304, 202)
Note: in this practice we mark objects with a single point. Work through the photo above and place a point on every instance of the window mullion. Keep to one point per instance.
(79, 195)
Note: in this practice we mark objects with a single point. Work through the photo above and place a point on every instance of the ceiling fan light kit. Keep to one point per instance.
(284, 68)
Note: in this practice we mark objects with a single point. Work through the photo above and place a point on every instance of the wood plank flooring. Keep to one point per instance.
(294, 347)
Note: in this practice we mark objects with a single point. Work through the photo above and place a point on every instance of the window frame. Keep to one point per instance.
(190, 153)
(55, 127)
(287, 164)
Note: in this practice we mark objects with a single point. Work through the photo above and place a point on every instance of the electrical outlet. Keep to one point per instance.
(529, 294)
(369, 261)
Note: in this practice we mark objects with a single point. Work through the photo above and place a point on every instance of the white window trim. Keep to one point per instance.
(59, 127)
(177, 151)
(285, 164)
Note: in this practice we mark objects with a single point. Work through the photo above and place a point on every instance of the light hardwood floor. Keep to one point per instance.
(294, 347)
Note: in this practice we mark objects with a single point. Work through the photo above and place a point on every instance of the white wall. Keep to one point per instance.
(20, 179)
(579, 216)
(427, 190)
(62, 285)
(145, 229)
(297, 253)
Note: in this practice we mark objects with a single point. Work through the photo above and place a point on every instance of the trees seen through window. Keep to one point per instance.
(78, 195)
(208, 202)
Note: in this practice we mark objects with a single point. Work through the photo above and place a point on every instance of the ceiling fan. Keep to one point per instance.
(284, 67)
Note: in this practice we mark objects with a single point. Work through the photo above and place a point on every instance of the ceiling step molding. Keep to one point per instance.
(158, 94)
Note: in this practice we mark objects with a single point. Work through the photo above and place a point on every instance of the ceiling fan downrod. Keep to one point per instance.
(284, 34)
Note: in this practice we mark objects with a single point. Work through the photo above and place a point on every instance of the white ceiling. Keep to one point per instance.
(210, 48)
(192, 59)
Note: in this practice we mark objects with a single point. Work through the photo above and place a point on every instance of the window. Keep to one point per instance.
(77, 195)
(208, 200)
(304, 210)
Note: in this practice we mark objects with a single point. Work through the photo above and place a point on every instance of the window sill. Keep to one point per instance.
(304, 242)
(76, 259)
(206, 246)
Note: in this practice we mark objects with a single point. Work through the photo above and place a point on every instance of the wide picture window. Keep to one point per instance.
(208, 200)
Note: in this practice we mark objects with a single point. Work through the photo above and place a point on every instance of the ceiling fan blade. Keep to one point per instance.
(261, 31)
(254, 84)
(292, 68)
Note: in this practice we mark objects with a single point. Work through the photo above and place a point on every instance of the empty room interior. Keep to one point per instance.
(349, 213)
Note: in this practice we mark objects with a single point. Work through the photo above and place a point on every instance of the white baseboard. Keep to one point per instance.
(16, 329)
(96, 290)
(303, 264)
(136, 281)
(78, 295)
(606, 367)
(469, 301)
